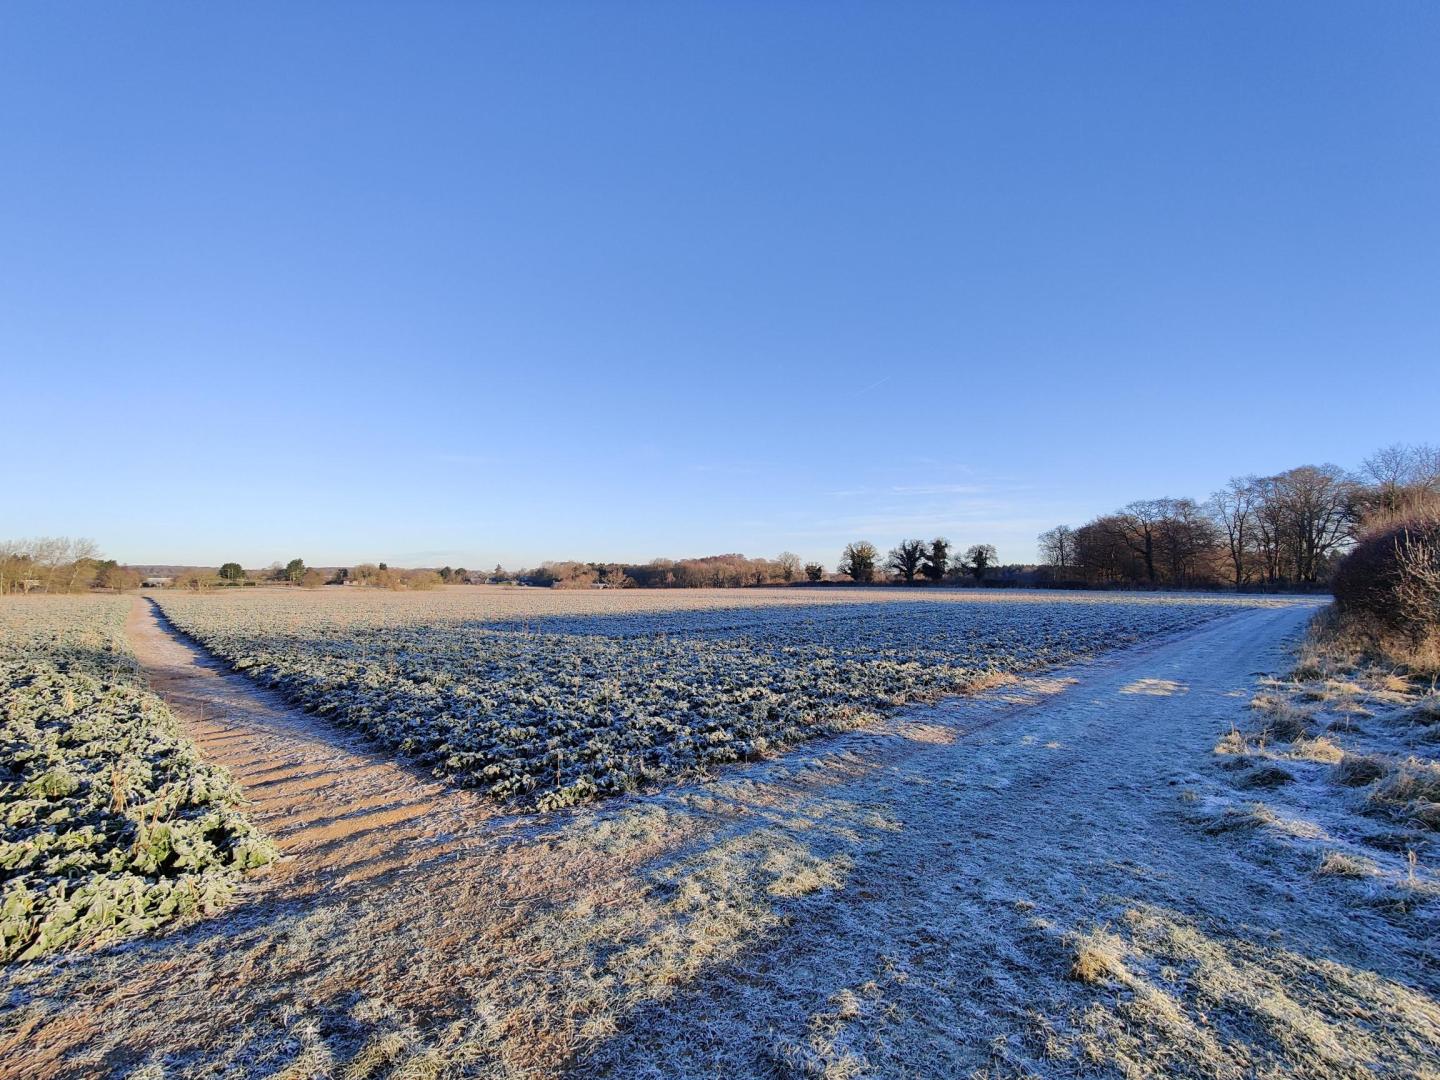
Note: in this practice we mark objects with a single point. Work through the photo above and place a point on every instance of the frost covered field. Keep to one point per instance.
(1023, 881)
(112, 825)
(553, 698)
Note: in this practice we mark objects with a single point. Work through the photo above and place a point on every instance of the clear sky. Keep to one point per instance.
(479, 283)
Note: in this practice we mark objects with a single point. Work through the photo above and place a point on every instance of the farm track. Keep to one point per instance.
(340, 811)
(1044, 810)
(894, 901)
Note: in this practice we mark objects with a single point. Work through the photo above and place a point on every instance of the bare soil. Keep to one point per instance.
(341, 811)
(1014, 883)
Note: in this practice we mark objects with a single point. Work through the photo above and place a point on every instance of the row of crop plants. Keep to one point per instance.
(112, 824)
(552, 711)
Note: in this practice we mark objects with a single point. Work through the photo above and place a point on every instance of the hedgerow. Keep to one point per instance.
(110, 824)
(552, 710)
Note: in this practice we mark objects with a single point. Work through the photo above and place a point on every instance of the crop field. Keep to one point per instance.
(112, 825)
(547, 699)
(1058, 875)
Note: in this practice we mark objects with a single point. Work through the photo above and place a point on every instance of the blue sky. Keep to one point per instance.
(495, 283)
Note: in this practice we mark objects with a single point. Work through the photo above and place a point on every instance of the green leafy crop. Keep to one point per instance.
(112, 825)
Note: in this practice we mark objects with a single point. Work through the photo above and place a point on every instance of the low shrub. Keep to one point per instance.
(1388, 587)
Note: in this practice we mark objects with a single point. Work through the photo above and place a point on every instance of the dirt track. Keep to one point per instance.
(341, 812)
(896, 901)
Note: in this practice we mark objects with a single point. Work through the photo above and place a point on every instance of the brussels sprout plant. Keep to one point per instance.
(112, 825)
(546, 707)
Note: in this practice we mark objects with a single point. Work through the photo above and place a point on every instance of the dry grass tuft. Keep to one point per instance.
(313, 1060)
(379, 1053)
(1266, 775)
(1099, 957)
(1319, 749)
(1282, 721)
(1390, 682)
(1412, 791)
(1412, 779)
(1193, 1002)
(429, 1065)
(1421, 660)
(1357, 770)
(1340, 864)
(1333, 689)
(1327, 653)
(1233, 742)
(1427, 710)
(1226, 820)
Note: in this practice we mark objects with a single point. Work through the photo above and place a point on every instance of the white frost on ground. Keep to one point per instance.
(1020, 883)
(1054, 824)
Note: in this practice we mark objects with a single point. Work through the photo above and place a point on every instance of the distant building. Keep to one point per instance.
(157, 582)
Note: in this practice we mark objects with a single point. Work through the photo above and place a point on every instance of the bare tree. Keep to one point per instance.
(1187, 543)
(615, 577)
(50, 556)
(14, 561)
(1399, 480)
(1233, 509)
(1102, 554)
(905, 560)
(788, 564)
(1138, 526)
(1057, 548)
(1270, 528)
(1314, 503)
(83, 556)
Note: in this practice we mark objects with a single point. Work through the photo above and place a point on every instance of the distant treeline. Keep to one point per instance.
(58, 564)
(859, 562)
(61, 565)
(1280, 531)
(1258, 532)
(295, 572)
(1289, 530)
(711, 571)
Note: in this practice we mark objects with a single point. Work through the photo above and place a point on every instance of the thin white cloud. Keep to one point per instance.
(939, 489)
(870, 386)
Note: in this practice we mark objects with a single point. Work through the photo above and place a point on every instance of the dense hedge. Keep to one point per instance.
(1390, 583)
